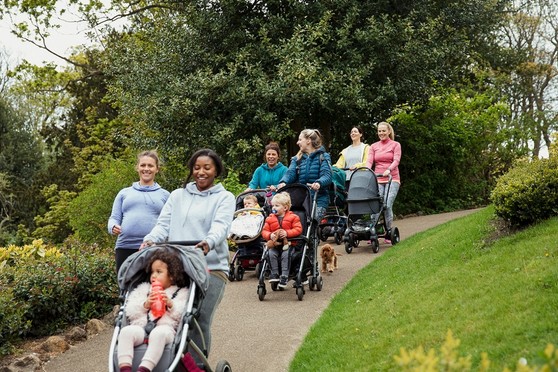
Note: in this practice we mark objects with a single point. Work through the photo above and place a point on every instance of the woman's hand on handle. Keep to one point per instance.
(315, 186)
(203, 245)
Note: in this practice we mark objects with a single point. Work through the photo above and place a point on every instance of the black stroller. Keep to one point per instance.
(133, 273)
(367, 211)
(303, 249)
(245, 234)
(334, 222)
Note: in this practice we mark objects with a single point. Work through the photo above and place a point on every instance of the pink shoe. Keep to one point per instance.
(387, 241)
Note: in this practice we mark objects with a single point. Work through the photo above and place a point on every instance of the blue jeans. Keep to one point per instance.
(210, 302)
(393, 190)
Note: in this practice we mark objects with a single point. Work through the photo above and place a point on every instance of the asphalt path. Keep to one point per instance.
(254, 335)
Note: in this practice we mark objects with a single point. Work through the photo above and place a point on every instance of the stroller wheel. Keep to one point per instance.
(337, 236)
(274, 286)
(319, 282)
(375, 245)
(239, 273)
(321, 234)
(394, 236)
(223, 366)
(348, 247)
(300, 292)
(231, 274)
(261, 292)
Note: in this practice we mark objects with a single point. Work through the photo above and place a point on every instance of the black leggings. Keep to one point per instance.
(121, 254)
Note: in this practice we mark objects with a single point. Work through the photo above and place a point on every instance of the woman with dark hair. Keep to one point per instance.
(355, 155)
(201, 211)
(269, 173)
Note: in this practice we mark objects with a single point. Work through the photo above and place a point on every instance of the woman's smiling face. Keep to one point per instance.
(204, 172)
(383, 132)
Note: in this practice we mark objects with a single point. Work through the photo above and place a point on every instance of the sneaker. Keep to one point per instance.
(274, 278)
(283, 281)
(304, 280)
(387, 241)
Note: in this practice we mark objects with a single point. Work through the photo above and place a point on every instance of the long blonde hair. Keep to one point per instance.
(314, 136)
(390, 128)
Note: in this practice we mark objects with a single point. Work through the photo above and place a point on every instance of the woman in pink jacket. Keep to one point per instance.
(383, 158)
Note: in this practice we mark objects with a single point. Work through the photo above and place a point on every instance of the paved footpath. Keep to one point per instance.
(254, 335)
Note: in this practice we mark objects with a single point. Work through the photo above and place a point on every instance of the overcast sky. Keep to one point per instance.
(61, 41)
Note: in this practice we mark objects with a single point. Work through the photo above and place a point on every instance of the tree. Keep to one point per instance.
(461, 140)
(530, 81)
(234, 74)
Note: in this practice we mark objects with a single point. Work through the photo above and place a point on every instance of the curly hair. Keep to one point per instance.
(174, 266)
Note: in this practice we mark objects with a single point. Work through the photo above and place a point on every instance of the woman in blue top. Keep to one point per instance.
(269, 173)
(312, 165)
(136, 208)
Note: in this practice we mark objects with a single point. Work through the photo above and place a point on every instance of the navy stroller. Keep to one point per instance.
(367, 211)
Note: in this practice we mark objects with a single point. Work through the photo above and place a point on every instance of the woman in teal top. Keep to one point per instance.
(269, 173)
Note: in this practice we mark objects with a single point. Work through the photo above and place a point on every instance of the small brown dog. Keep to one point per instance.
(329, 258)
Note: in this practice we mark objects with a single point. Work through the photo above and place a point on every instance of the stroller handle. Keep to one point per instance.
(189, 243)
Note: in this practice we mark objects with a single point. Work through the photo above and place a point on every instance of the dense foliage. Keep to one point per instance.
(528, 192)
(66, 286)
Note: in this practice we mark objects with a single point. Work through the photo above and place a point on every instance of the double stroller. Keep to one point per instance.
(303, 263)
(245, 234)
(131, 274)
(334, 222)
(366, 216)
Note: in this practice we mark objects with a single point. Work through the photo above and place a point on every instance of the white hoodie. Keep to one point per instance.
(193, 215)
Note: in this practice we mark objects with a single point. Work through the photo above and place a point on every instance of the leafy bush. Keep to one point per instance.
(528, 192)
(65, 287)
(90, 210)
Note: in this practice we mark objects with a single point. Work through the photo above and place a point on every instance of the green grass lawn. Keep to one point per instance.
(500, 298)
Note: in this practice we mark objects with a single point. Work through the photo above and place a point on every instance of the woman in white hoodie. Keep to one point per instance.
(201, 211)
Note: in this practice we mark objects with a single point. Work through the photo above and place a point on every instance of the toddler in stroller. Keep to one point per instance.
(366, 218)
(281, 225)
(245, 232)
(144, 340)
(302, 252)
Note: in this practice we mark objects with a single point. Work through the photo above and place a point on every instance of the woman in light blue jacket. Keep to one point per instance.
(202, 211)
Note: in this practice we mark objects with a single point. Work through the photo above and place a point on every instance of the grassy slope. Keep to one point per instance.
(501, 299)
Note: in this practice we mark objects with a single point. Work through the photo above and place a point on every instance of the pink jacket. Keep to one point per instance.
(136, 313)
(383, 155)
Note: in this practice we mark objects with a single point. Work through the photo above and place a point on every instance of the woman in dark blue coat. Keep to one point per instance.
(312, 165)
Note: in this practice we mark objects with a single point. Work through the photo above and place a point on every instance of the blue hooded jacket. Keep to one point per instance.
(314, 167)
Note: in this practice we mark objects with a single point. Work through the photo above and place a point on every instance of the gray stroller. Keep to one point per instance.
(367, 211)
(132, 273)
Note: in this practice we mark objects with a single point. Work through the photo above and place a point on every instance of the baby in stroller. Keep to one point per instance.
(144, 321)
(245, 232)
(131, 347)
(279, 226)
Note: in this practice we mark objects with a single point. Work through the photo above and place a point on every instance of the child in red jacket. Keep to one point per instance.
(279, 226)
